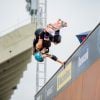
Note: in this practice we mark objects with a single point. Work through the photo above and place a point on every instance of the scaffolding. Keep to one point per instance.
(39, 17)
(41, 67)
(38, 11)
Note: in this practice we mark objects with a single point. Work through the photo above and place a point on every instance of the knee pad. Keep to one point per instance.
(46, 44)
(57, 38)
(38, 57)
(38, 31)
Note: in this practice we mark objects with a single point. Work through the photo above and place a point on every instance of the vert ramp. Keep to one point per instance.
(79, 80)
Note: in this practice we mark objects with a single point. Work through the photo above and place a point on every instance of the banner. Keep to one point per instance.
(64, 77)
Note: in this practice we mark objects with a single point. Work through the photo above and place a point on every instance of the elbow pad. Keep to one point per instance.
(54, 58)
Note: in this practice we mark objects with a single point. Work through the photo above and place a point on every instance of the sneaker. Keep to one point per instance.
(58, 25)
(49, 28)
(52, 27)
(62, 23)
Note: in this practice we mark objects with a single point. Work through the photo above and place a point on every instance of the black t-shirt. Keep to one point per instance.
(47, 38)
(45, 35)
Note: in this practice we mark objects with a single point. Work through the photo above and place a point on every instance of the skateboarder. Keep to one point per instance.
(44, 37)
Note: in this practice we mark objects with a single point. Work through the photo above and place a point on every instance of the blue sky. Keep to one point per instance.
(82, 15)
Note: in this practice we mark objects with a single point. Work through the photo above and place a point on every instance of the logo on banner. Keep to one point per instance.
(83, 59)
(64, 77)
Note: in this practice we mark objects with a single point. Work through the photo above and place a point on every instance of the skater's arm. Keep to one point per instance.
(53, 57)
(60, 61)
